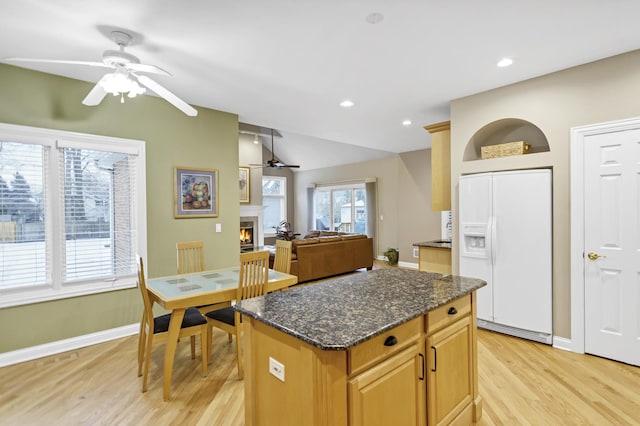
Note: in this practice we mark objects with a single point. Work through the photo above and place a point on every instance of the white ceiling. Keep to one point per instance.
(287, 64)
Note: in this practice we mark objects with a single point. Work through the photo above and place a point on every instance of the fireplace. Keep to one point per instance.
(247, 235)
(251, 228)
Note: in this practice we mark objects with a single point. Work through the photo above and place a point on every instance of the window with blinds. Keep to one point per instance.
(72, 214)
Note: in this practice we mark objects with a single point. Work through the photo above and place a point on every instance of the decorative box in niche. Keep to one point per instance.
(504, 149)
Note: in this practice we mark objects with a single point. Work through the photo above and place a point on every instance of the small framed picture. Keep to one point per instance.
(196, 192)
(245, 184)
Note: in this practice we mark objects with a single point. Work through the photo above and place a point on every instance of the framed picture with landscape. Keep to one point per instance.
(245, 184)
(196, 192)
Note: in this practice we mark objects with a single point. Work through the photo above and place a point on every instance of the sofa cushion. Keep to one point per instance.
(352, 236)
(329, 238)
(303, 242)
(312, 234)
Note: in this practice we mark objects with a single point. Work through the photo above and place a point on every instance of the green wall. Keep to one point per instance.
(209, 140)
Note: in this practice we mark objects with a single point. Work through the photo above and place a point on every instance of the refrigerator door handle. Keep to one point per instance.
(489, 236)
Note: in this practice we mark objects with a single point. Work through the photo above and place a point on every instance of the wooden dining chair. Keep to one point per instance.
(156, 329)
(252, 282)
(190, 256)
(282, 259)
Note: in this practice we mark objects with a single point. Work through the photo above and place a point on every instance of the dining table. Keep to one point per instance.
(176, 293)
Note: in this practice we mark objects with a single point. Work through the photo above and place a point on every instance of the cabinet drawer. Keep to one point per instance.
(374, 350)
(449, 313)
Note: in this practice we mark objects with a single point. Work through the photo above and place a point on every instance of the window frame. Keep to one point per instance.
(54, 141)
(330, 189)
(283, 201)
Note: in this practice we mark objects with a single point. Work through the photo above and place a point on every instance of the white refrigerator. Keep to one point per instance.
(506, 239)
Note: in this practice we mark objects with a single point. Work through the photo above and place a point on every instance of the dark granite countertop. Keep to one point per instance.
(445, 244)
(341, 313)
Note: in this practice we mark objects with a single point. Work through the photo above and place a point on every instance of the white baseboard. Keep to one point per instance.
(409, 265)
(52, 348)
(562, 343)
(517, 332)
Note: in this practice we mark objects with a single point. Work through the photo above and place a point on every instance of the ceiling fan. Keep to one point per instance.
(125, 78)
(277, 164)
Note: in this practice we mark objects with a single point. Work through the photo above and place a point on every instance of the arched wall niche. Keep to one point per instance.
(503, 131)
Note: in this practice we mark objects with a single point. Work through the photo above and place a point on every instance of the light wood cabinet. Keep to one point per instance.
(391, 392)
(421, 372)
(381, 378)
(449, 373)
(450, 352)
(440, 165)
(432, 259)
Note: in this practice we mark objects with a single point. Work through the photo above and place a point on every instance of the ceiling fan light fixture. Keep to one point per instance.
(120, 82)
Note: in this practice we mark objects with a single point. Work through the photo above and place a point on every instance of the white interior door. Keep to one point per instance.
(612, 245)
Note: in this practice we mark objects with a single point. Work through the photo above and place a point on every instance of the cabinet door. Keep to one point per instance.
(391, 393)
(449, 372)
(440, 165)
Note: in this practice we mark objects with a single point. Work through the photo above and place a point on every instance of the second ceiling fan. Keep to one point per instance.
(274, 162)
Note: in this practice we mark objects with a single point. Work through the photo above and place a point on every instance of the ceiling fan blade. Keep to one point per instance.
(147, 68)
(167, 95)
(57, 61)
(96, 95)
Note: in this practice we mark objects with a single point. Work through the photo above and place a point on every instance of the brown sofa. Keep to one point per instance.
(322, 254)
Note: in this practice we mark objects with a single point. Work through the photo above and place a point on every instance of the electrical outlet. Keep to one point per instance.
(276, 368)
(416, 252)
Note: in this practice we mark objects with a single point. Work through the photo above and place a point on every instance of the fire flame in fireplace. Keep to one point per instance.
(245, 236)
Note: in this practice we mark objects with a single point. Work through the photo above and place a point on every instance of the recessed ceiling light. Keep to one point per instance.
(347, 103)
(374, 18)
(505, 62)
(406, 123)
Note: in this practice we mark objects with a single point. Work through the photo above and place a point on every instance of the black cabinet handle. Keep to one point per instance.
(453, 310)
(421, 370)
(435, 358)
(390, 341)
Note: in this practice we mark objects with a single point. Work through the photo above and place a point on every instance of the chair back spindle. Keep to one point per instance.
(254, 274)
(282, 260)
(190, 256)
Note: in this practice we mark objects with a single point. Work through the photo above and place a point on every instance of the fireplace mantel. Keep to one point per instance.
(249, 211)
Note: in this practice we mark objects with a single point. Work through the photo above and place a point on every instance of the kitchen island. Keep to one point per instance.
(389, 346)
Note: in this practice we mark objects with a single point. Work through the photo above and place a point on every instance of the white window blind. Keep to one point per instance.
(99, 226)
(72, 214)
(23, 239)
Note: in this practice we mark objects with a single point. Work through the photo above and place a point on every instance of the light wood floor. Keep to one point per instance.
(522, 383)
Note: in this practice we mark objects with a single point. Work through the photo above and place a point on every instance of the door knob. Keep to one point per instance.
(595, 256)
